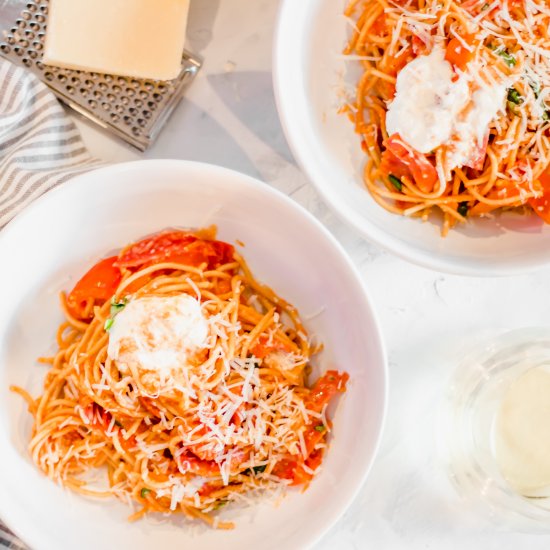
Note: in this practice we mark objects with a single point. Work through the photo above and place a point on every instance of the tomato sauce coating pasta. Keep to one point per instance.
(497, 55)
(184, 378)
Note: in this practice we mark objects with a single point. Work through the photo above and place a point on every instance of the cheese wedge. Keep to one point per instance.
(137, 38)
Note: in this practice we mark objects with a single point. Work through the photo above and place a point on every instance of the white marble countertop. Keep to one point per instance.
(428, 319)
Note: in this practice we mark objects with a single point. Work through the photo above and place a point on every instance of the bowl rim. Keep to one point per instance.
(32, 537)
(281, 54)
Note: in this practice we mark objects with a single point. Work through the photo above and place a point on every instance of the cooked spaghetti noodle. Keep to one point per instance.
(480, 70)
(184, 378)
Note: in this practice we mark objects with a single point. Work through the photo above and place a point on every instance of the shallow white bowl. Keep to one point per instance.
(310, 75)
(57, 238)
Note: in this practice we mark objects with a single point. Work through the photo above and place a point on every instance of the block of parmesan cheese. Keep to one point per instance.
(138, 38)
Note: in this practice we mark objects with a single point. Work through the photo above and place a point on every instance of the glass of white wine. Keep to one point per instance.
(498, 428)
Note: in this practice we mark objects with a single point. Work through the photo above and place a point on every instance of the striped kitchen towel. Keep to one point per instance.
(40, 146)
(8, 540)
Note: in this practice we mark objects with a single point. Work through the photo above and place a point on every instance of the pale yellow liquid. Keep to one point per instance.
(522, 433)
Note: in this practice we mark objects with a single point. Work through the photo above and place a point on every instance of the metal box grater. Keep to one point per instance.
(133, 109)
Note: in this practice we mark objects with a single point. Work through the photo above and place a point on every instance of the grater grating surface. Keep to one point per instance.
(133, 109)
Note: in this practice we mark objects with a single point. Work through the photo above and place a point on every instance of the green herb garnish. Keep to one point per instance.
(220, 504)
(116, 308)
(514, 99)
(396, 182)
(485, 7)
(117, 423)
(144, 492)
(514, 96)
(320, 428)
(509, 59)
(255, 470)
(512, 108)
(463, 209)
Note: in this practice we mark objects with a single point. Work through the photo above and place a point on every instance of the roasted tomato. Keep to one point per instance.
(101, 281)
(460, 52)
(400, 159)
(541, 205)
(298, 469)
(96, 286)
(178, 247)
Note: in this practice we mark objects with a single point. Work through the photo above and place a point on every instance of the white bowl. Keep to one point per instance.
(51, 243)
(309, 76)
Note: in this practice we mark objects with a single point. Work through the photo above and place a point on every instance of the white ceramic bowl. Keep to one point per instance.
(309, 76)
(58, 237)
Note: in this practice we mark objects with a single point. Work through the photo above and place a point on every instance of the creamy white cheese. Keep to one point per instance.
(427, 102)
(433, 106)
(472, 125)
(158, 333)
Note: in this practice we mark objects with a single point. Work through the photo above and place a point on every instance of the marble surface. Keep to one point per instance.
(429, 319)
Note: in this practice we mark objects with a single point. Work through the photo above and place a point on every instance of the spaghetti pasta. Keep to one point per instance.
(453, 105)
(183, 378)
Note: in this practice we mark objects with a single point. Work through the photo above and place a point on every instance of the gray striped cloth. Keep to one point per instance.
(9, 540)
(40, 148)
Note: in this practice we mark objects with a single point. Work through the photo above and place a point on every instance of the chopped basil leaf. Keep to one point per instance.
(117, 423)
(220, 504)
(485, 7)
(116, 308)
(463, 209)
(255, 469)
(546, 115)
(513, 108)
(396, 182)
(509, 59)
(145, 492)
(507, 56)
(514, 96)
(320, 428)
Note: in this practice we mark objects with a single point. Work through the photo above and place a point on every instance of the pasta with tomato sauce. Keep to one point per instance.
(184, 379)
(453, 106)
